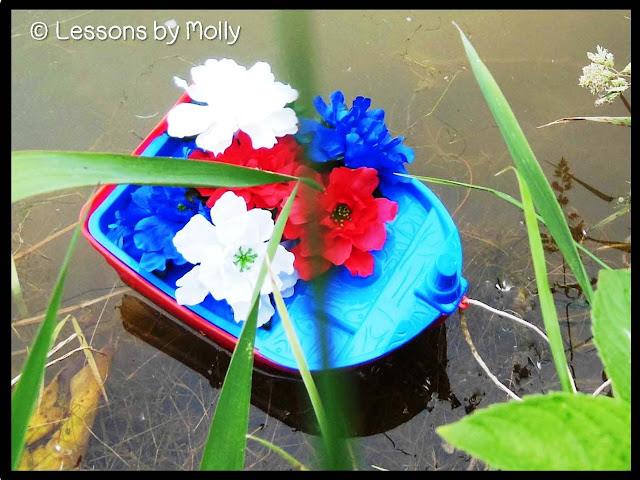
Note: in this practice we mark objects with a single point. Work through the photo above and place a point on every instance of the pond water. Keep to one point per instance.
(92, 95)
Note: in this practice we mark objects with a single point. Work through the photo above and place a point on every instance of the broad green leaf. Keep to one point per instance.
(527, 165)
(26, 392)
(623, 121)
(34, 172)
(547, 305)
(556, 431)
(505, 197)
(225, 447)
(611, 325)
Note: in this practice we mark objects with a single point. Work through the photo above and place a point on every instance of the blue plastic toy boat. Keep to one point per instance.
(417, 282)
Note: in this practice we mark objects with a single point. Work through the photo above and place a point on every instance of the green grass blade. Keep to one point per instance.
(227, 441)
(549, 314)
(618, 213)
(622, 121)
(59, 170)
(505, 197)
(527, 165)
(289, 458)
(296, 48)
(26, 392)
(305, 373)
(16, 290)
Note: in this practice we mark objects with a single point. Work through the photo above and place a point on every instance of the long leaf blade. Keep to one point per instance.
(611, 325)
(26, 393)
(527, 165)
(622, 121)
(556, 431)
(303, 367)
(59, 170)
(274, 448)
(225, 447)
(547, 305)
(16, 290)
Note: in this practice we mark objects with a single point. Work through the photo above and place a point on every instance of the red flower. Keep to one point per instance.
(281, 158)
(347, 221)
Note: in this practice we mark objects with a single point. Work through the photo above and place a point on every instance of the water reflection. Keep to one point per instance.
(387, 392)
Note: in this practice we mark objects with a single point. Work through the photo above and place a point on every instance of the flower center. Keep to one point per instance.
(182, 207)
(244, 260)
(341, 213)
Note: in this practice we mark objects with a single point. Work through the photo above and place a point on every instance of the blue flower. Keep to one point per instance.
(357, 137)
(145, 227)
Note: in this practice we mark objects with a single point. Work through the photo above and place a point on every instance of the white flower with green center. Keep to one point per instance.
(230, 98)
(228, 255)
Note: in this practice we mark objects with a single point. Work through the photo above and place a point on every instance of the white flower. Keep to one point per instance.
(602, 79)
(230, 98)
(228, 256)
(603, 57)
(596, 78)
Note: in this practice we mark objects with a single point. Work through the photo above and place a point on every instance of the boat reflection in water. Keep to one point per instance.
(387, 392)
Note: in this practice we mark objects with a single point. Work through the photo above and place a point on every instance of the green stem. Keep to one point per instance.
(547, 305)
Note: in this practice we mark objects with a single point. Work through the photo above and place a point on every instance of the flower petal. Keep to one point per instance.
(218, 137)
(337, 251)
(242, 309)
(191, 291)
(195, 238)
(282, 122)
(151, 233)
(359, 263)
(263, 223)
(228, 207)
(151, 261)
(387, 209)
(310, 267)
(373, 238)
(261, 134)
(188, 119)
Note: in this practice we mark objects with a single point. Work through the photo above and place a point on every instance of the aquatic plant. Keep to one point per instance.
(602, 79)
(563, 431)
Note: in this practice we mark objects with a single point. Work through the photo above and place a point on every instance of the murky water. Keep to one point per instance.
(93, 95)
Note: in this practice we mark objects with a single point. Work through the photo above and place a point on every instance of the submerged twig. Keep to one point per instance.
(474, 352)
(46, 240)
(599, 390)
(436, 104)
(507, 315)
(626, 103)
(37, 318)
(52, 362)
(521, 322)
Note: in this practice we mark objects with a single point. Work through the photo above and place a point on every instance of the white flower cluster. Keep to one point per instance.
(602, 57)
(601, 78)
(230, 97)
